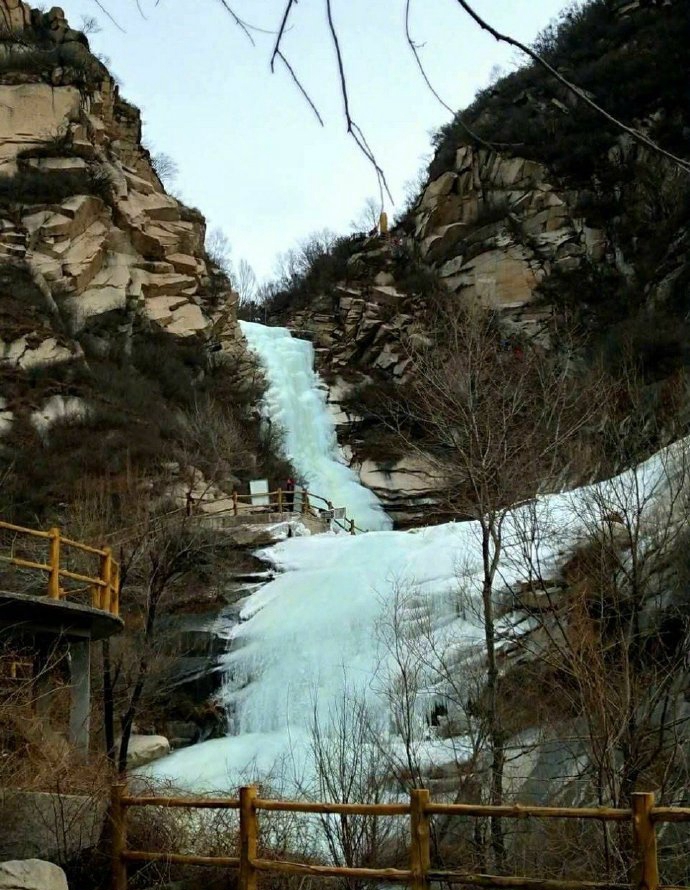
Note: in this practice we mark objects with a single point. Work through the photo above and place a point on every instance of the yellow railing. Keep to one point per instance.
(104, 588)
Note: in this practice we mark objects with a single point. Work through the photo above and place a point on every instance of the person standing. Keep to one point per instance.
(290, 494)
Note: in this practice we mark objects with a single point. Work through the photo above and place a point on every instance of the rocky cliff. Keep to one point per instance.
(538, 209)
(112, 321)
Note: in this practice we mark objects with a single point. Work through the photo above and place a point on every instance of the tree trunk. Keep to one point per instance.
(495, 732)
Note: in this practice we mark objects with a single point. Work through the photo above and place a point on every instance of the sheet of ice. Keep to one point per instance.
(295, 401)
(316, 634)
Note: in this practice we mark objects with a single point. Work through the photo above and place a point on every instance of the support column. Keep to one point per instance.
(80, 688)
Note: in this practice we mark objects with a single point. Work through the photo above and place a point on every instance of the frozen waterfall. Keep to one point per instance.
(295, 401)
(330, 630)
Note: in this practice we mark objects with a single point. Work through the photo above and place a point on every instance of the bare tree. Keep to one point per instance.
(498, 421)
(368, 217)
(245, 282)
(349, 767)
(163, 555)
(165, 167)
(219, 250)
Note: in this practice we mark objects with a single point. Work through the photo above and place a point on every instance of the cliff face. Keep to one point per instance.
(549, 214)
(111, 320)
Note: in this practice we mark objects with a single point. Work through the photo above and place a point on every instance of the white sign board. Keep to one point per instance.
(339, 513)
(258, 489)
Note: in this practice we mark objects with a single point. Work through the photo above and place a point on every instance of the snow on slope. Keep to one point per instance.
(317, 633)
(296, 402)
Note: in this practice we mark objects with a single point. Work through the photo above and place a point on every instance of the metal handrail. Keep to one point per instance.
(104, 587)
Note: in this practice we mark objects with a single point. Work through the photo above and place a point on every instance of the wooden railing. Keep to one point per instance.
(103, 587)
(283, 501)
(643, 817)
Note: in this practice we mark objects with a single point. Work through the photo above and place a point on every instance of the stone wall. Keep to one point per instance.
(49, 826)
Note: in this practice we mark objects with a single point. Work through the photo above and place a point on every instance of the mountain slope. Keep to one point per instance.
(116, 332)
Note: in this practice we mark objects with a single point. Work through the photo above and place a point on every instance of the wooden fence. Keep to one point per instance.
(103, 587)
(643, 818)
(281, 502)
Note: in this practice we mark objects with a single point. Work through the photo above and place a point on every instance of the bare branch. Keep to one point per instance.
(281, 31)
(297, 82)
(105, 12)
(238, 21)
(352, 128)
(415, 52)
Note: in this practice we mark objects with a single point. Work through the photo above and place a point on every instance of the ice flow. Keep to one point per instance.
(295, 401)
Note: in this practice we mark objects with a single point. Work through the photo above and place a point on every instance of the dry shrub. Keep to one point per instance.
(282, 836)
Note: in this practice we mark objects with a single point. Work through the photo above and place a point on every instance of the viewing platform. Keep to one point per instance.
(57, 591)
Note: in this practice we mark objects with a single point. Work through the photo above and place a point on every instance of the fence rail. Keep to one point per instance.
(282, 501)
(643, 817)
(104, 587)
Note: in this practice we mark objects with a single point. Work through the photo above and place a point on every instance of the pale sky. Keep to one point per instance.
(251, 155)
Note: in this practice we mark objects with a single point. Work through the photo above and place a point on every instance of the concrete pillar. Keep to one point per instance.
(80, 688)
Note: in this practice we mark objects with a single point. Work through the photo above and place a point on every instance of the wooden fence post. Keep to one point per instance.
(352, 526)
(305, 501)
(420, 843)
(105, 598)
(54, 560)
(234, 503)
(115, 590)
(248, 837)
(645, 872)
(119, 837)
(280, 500)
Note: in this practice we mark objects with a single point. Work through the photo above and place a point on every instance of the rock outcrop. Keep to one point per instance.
(105, 284)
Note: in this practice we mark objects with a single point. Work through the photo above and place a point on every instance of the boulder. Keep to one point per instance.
(14, 15)
(144, 749)
(31, 874)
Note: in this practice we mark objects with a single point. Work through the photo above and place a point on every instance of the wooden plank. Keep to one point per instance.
(197, 803)
(646, 867)
(355, 809)
(180, 858)
(284, 867)
(420, 839)
(249, 838)
(479, 880)
(517, 811)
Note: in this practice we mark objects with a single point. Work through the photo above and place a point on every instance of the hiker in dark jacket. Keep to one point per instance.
(290, 495)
